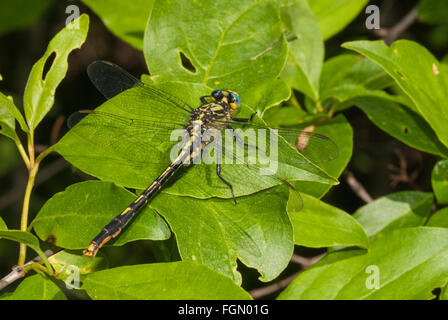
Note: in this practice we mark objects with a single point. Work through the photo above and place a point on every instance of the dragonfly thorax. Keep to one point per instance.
(210, 116)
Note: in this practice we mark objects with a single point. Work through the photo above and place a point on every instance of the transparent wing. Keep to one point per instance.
(127, 141)
(313, 146)
(134, 97)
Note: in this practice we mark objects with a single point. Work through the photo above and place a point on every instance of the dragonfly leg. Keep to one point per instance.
(244, 119)
(218, 172)
(241, 141)
(204, 100)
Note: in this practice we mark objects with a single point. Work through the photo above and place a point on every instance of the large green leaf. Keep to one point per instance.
(440, 181)
(134, 158)
(321, 225)
(439, 219)
(347, 76)
(237, 50)
(401, 122)
(127, 20)
(216, 232)
(184, 280)
(335, 15)
(394, 211)
(268, 94)
(306, 53)
(40, 88)
(73, 217)
(37, 287)
(407, 263)
(16, 14)
(417, 73)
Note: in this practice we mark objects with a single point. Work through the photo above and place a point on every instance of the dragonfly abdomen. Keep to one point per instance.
(114, 227)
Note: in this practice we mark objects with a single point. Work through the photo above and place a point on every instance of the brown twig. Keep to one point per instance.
(357, 188)
(303, 261)
(391, 34)
(401, 172)
(19, 272)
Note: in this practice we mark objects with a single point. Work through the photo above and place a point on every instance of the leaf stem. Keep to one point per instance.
(25, 211)
(26, 200)
(23, 153)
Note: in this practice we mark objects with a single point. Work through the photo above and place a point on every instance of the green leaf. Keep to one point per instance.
(394, 211)
(8, 114)
(75, 216)
(433, 11)
(439, 180)
(408, 263)
(439, 219)
(166, 250)
(3, 224)
(37, 287)
(28, 239)
(240, 49)
(417, 73)
(402, 123)
(268, 94)
(347, 76)
(341, 132)
(444, 293)
(126, 20)
(335, 15)
(119, 154)
(17, 14)
(162, 281)
(306, 53)
(40, 88)
(320, 225)
(216, 232)
(65, 261)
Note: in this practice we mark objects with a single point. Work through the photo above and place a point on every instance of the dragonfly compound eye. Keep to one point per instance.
(217, 94)
(235, 98)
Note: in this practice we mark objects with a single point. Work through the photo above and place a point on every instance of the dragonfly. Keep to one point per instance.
(167, 112)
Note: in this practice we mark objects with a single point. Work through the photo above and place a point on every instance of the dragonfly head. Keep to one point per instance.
(229, 97)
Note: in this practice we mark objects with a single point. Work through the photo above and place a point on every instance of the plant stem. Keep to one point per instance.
(32, 169)
(25, 210)
(23, 153)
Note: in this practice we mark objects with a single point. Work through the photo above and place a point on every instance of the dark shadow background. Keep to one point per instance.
(373, 155)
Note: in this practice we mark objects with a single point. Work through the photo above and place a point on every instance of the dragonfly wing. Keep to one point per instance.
(313, 146)
(110, 79)
(133, 96)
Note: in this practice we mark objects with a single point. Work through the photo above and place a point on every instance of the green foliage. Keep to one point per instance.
(408, 263)
(162, 281)
(417, 73)
(16, 14)
(37, 287)
(40, 88)
(127, 20)
(273, 54)
(321, 225)
(404, 209)
(440, 181)
(334, 15)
